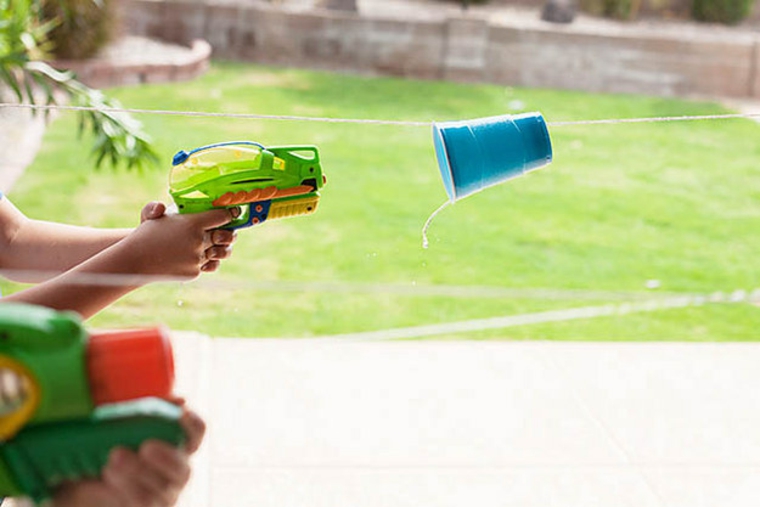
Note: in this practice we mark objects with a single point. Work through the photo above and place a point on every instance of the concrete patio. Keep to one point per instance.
(329, 423)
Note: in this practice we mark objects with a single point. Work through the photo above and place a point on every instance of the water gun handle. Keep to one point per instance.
(43, 456)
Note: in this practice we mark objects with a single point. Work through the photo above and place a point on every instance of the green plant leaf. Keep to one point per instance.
(10, 79)
(117, 137)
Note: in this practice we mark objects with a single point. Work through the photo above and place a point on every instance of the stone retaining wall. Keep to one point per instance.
(104, 72)
(720, 63)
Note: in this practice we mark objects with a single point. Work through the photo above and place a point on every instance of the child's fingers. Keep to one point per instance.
(218, 237)
(85, 492)
(155, 487)
(177, 400)
(214, 218)
(194, 428)
(217, 253)
(170, 461)
(223, 237)
(210, 266)
(131, 479)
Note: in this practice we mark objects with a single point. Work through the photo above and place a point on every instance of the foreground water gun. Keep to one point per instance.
(67, 398)
(275, 182)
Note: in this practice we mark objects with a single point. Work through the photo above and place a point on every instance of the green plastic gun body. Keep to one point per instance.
(68, 398)
(275, 182)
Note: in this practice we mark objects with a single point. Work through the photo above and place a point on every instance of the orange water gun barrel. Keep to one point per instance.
(130, 364)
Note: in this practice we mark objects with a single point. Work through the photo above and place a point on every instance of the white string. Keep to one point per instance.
(552, 316)
(255, 116)
(203, 114)
(657, 119)
(94, 279)
(214, 282)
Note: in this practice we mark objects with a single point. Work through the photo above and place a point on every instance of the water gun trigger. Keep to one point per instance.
(253, 213)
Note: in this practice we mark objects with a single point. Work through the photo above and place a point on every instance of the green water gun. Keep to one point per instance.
(275, 182)
(68, 397)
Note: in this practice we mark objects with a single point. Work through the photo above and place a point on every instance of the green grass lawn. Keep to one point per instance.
(620, 205)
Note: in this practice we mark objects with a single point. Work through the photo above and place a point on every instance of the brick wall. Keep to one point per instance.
(658, 66)
(466, 48)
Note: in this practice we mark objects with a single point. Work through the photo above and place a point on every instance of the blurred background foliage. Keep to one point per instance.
(80, 28)
(29, 30)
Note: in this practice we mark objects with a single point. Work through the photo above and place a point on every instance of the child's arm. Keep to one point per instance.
(32, 250)
(175, 246)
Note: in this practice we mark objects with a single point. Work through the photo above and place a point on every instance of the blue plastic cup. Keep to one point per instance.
(476, 154)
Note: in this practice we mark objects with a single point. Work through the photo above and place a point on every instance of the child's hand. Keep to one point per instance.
(181, 245)
(152, 477)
